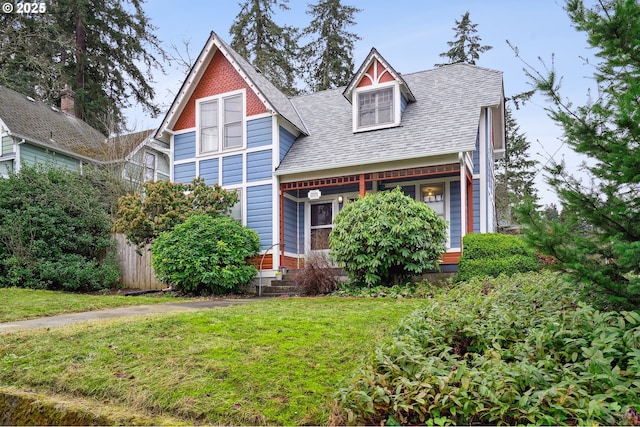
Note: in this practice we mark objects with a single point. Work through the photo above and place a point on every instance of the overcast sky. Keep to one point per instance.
(410, 35)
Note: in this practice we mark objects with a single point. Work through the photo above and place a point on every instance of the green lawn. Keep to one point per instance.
(274, 361)
(23, 304)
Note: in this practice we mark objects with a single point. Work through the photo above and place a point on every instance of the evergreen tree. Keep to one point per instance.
(514, 172)
(599, 240)
(103, 49)
(328, 58)
(466, 47)
(28, 44)
(273, 49)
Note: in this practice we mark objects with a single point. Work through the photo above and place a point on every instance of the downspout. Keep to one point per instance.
(18, 162)
(298, 229)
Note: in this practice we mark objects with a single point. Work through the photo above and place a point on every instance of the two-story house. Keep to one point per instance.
(32, 132)
(296, 161)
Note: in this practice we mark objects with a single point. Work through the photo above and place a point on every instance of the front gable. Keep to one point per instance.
(219, 77)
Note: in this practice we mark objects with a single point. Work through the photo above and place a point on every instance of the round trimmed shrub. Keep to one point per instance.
(206, 255)
(383, 238)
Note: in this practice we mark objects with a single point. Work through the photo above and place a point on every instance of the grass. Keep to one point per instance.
(23, 304)
(277, 361)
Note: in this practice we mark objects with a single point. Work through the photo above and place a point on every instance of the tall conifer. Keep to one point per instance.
(328, 57)
(272, 48)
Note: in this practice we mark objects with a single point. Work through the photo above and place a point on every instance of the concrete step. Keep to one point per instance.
(277, 290)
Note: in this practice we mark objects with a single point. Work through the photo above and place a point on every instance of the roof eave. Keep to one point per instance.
(49, 147)
(471, 147)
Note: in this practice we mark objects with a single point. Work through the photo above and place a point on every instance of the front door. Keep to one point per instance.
(321, 225)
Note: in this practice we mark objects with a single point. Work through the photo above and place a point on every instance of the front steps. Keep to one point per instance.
(286, 286)
(280, 288)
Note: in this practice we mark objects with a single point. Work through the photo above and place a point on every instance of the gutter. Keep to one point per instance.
(47, 146)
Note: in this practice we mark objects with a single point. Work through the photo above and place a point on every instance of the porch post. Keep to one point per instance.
(463, 197)
(281, 245)
(363, 186)
(469, 202)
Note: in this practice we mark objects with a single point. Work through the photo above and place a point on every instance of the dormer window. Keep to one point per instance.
(375, 107)
(378, 95)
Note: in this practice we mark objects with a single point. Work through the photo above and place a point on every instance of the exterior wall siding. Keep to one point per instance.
(6, 167)
(184, 173)
(260, 212)
(476, 155)
(409, 190)
(232, 170)
(403, 103)
(286, 141)
(7, 145)
(31, 155)
(292, 241)
(209, 170)
(259, 166)
(455, 223)
(259, 132)
(184, 146)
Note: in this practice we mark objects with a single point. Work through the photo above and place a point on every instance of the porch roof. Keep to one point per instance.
(444, 119)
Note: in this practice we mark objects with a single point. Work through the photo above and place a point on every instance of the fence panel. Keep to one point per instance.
(135, 269)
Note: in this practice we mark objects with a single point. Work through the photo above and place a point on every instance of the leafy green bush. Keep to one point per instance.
(54, 233)
(492, 254)
(205, 255)
(502, 351)
(385, 237)
(166, 204)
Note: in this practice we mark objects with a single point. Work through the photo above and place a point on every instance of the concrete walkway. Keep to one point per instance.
(67, 319)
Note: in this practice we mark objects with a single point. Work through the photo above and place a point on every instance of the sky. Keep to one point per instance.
(410, 35)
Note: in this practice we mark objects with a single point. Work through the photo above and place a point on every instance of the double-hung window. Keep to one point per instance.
(232, 122)
(149, 166)
(375, 107)
(209, 126)
(221, 124)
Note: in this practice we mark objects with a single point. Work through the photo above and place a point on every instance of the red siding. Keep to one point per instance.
(376, 71)
(219, 77)
(386, 77)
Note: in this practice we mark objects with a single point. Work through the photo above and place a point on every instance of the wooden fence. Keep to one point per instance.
(135, 269)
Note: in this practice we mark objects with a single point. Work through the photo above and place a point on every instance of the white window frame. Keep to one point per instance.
(154, 168)
(221, 125)
(375, 88)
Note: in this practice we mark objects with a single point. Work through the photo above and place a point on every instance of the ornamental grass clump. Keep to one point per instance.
(384, 238)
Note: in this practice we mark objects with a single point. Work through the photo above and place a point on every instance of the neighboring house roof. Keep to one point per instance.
(444, 119)
(271, 96)
(49, 127)
(126, 145)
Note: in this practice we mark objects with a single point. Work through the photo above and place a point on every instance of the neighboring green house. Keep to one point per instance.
(33, 132)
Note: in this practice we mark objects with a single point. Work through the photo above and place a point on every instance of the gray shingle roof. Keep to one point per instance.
(444, 119)
(280, 102)
(37, 122)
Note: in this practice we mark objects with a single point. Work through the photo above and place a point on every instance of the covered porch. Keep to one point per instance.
(308, 206)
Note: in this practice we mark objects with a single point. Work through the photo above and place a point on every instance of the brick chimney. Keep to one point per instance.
(66, 100)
